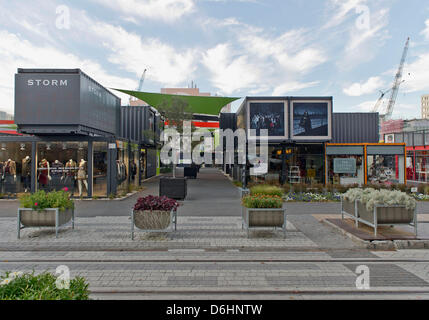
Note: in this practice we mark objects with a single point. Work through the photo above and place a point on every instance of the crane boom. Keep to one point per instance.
(396, 83)
(141, 80)
(377, 104)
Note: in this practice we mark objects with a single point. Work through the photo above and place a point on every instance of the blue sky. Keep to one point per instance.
(348, 49)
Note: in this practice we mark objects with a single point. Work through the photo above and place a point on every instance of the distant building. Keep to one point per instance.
(425, 106)
(5, 116)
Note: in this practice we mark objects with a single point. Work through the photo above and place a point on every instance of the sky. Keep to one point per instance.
(347, 49)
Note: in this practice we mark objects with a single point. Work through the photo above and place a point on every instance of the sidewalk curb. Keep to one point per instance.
(383, 244)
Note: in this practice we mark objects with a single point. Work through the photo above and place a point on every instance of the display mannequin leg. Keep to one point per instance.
(79, 184)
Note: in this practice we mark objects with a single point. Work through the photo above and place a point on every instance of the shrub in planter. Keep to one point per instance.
(287, 188)
(28, 286)
(42, 200)
(262, 201)
(266, 189)
(371, 197)
(153, 212)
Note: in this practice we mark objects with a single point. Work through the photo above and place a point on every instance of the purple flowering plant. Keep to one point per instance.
(156, 203)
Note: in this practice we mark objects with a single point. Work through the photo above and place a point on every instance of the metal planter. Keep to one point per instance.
(263, 218)
(153, 221)
(50, 217)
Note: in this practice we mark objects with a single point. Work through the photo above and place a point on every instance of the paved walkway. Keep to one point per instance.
(210, 256)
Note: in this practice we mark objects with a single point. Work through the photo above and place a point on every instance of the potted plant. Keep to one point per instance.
(382, 207)
(41, 209)
(263, 211)
(154, 213)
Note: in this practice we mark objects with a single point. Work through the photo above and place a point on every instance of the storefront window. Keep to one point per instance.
(142, 164)
(422, 166)
(122, 169)
(63, 165)
(385, 169)
(100, 169)
(345, 169)
(15, 168)
(305, 164)
(134, 163)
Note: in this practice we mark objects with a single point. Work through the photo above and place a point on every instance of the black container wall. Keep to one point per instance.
(228, 121)
(355, 127)
(64, 101)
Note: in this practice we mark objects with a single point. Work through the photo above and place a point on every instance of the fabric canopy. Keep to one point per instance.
(198, 104)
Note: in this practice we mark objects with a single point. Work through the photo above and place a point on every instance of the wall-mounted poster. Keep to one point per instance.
(311, 119)
(268, 115)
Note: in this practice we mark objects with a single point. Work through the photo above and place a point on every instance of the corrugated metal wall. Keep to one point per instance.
(355, 127)
(134, 121)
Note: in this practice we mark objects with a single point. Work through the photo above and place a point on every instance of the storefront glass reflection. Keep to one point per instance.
(63, 166)
(15, 168)
(134, 162)
(99, 188)
(122, 167)
(345, 169)
(384, 169)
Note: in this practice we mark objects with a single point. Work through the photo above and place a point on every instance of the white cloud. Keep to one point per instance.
(166, 10)
(341, 9)
(289, 87)
(229, 73)
(359, 89)
(363, 45)
(416, 74)
(425, 32)
(16, 52)
(165, 64)
(298, 57)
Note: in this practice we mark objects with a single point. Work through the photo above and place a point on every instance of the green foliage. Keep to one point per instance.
(175, 112)
(165, 170)
(237, 183)
(29, 286)
(112, 196)
(42, 200)
(266, 189)
(262, 201)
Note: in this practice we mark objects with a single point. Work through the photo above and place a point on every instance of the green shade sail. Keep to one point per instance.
(198, 104)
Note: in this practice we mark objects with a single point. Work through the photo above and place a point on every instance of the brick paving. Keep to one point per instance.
(211, 257)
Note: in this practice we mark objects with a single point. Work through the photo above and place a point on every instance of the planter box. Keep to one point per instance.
(380, 215)
(174, 188)
(51, 217)
(190, 172)
(152, 221)
(262, 218)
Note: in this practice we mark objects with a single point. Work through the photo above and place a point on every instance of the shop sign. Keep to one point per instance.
(112, 145)
(345, 165)
(414, 189)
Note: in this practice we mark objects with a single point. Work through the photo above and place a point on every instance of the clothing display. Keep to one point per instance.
(9, 176)
(57, 174)
(121, 171)
(82, 176)
(44, 176)
(26, 173)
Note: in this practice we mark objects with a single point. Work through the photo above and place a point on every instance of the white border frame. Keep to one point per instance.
(286, 121)
(329, 136)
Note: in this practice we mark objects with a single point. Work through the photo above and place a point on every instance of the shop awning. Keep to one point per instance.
(198, 104)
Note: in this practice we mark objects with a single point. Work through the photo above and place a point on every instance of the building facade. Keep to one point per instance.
(74, 135)
(425, 106)
(309, 143)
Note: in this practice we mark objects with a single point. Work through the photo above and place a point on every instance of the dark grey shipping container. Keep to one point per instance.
(358, 127)
(64, 101)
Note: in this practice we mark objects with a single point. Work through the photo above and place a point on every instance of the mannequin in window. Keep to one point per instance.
(26, 173)
(70, 175)
(82, 176)
(1, 176)
(133, 170)
(44, 176)
(57, 172)
(10, 176)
